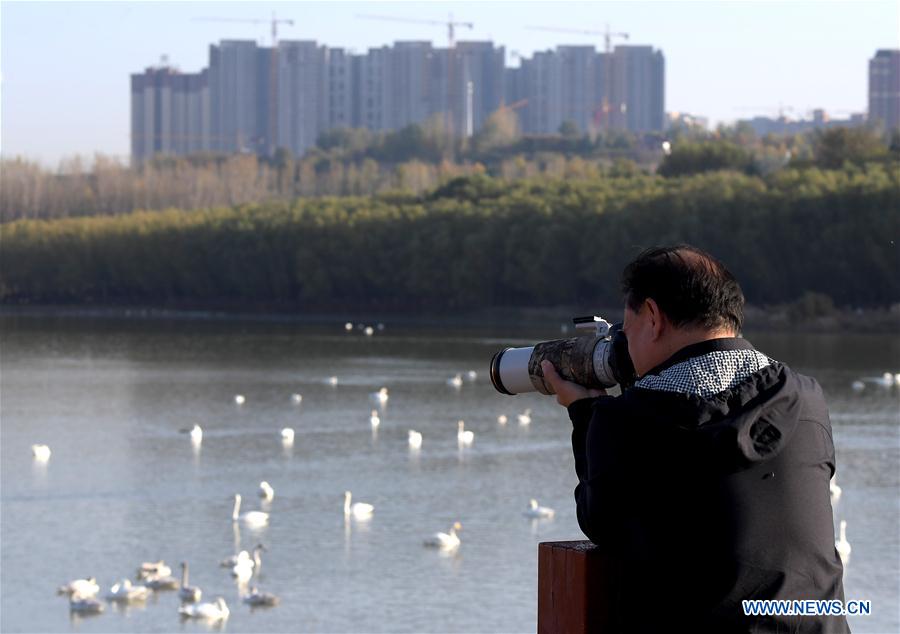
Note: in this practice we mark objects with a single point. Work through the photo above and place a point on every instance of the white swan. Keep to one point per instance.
(153, 569)
(41, 453)
(502, 419)
(186, 592)
(536, 512)
(124, 592)
(251, 518)
(217, 611)
(246, 567)
(296, 399)
(84, 604)
(415, 439)
(472, 375)
(835, 489)
(381, 396)
(196, 434)
(525, 417)
(842, 545)
(332, 381)
(374, 420)
(239, 399)
(243, 572)
(359, 510)
(369, 331)
(266, 491)
(257, 598)
(445, 541)
(161, 582)
(287, 435)
(83, 587)
(348, 326)
(462, 436)
(455, 381)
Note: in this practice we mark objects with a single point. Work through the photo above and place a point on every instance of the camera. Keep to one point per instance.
(598, 358)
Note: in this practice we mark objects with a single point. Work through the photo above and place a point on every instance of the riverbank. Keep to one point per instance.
(781, 318)
(474, 243)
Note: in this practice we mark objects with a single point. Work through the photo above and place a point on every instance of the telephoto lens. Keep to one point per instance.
(596, 359)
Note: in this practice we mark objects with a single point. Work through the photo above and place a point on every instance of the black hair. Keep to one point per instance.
(688, 284)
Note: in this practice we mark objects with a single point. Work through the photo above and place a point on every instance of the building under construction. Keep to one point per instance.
(256, 99)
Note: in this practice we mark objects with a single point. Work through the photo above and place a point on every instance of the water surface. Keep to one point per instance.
(123, 486)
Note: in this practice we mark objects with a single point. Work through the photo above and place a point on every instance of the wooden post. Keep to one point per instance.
(574, 588)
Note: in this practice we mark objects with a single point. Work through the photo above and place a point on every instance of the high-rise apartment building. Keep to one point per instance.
(884, 88)
(240, 81)
(542, 91)
(257, 99)
(339, 92)
(168, 112)
(302, 94)
(622, 90)
(581, 82)
(373, 89)
(637, 89)
(408, 73)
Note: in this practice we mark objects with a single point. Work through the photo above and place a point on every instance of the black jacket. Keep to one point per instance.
(711, 499)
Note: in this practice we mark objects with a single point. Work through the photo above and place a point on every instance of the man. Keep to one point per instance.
(708, 480)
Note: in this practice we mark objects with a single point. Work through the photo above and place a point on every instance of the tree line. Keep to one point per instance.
(415, 159)
(476, 241)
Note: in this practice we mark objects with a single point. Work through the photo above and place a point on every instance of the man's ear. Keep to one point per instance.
(656, 318)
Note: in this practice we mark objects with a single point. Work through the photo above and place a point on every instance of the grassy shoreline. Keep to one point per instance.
(782, 318)
(475, 243)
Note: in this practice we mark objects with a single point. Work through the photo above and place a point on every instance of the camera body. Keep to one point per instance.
(596, 359)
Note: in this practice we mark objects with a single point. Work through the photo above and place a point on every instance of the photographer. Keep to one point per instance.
(708, 480)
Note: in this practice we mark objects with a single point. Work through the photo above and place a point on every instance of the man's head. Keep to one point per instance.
(675, 296)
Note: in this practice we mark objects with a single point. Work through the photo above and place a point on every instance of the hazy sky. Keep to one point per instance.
(66, 65)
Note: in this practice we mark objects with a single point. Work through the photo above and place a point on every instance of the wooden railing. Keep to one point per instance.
(574, 588)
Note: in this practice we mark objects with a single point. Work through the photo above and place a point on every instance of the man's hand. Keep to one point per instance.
(567, 392)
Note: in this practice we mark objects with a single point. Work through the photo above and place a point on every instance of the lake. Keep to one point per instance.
(123, 485)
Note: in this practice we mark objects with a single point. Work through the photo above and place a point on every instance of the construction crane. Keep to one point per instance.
(606, 33)
(272, 131)
(521, 103)
(781, 109)
(604, 110)
(275, 21)
(451, 25)
(512, 107)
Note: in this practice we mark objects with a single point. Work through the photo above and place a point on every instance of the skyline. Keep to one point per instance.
(814, 56)
(251, 99)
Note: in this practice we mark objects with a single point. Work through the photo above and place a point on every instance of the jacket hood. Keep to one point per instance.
(741, 426)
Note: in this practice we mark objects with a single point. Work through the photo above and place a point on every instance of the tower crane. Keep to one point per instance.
(608, 36)
(781, 109)
(275, 21)
(521, 103)
(606, 33)
(272, 130)
(451, 25)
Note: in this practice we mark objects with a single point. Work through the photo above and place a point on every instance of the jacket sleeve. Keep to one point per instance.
(580, 413)
(593, 445)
